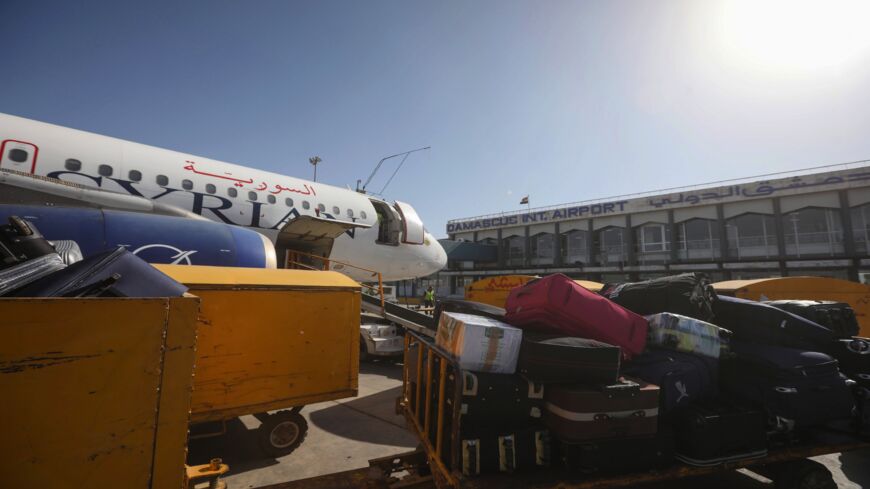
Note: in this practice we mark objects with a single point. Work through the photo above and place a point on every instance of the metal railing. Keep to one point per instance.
(376, 291)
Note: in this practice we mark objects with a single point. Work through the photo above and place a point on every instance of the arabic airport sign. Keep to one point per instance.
(835, 180)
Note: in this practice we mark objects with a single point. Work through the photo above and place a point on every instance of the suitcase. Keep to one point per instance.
(688, 294)
(468, 307)
(862, 411)
(682, 378)
(496, 401)
(797, 388)
(751, 321)
(116, 273)
(638, 453)
(709, 434)
(836, 316)
(853, 356)
(554, 359)
(689, 335)
(508, 451)
(577, 413)
(20, 241)
(556, 304)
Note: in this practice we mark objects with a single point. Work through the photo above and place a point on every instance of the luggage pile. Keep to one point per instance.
(643, 374)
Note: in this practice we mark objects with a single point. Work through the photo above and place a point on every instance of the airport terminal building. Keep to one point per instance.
(814, 222)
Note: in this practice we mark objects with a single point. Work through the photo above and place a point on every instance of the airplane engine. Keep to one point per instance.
(154, 238)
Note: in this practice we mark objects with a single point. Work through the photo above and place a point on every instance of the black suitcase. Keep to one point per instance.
(836, 316)
(853, 356)
(508, 451)
(688, 294)
(751, 321)
(797, 389)
(553, 359)
(710, 434)
(682, 378)
(468, 307)
(20, 241)
(862, 411)
(639, 453)
(116, 273)
(496, 402)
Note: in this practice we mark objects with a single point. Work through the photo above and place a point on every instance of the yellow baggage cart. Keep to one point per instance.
(271, 340)
(96, 393)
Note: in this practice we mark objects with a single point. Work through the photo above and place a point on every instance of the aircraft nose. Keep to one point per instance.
(437, 255)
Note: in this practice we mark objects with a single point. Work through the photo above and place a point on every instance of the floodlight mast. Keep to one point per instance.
(378, 167)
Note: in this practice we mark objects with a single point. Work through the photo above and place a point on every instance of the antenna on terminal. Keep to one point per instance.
(405, 155)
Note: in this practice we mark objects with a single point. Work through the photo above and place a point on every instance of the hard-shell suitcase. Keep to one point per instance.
(751, 321)
(688, 294)
(682, 333)
(116, 273)
(568, 360)
(556, 304)
(507, 451)
(710, 433)
(20, 241)
(853, 356)
(682, 378)
(577, 413)
(639, 453)
(468, 307)
(839, 317)
(497, 401)
(797, 388)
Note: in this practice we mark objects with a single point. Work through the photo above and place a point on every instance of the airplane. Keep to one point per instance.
(354, 233)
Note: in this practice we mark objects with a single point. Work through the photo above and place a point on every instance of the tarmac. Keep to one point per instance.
(345, 434)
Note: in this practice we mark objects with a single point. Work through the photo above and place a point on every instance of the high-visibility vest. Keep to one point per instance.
(430, 295)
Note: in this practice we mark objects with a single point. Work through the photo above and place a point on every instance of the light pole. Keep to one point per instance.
(314, 160)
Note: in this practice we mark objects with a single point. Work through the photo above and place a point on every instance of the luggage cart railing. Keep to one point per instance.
(430, 404)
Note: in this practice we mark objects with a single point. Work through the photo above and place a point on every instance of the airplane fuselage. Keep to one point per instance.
(224, 192)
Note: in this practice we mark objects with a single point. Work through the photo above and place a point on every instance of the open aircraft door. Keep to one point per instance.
(312, 235)
(411, 224)
(18, 156)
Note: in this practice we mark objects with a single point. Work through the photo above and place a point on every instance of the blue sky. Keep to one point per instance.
(560, 100)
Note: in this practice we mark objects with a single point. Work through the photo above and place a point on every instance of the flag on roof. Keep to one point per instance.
(525, 200)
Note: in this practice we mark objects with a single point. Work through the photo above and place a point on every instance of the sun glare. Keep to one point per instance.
(796, 35)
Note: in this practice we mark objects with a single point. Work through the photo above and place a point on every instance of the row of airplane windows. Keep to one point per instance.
(72, 164)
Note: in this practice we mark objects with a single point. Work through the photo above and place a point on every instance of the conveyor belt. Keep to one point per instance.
(412, 320)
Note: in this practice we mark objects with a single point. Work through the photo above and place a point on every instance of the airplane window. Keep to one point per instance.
(305, 204)
(162, 180)
(232, 192)
(210, 188)
(134, 175)
(321, 207)
(18, 155)
(336, 210)
(350, 213)
(362, 214)
(186, 184)
(105, 170)
(271, 199)
(73, 165)
(252, 195)
(289, 202)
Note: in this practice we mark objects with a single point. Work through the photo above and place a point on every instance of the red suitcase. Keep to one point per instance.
(557, 304)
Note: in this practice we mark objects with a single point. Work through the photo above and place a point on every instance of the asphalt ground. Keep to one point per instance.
(345, 434)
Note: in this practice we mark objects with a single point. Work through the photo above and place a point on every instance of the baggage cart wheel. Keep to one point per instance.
(282, 432)
(804, 474)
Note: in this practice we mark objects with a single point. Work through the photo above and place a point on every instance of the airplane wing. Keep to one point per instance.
(26, 188)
